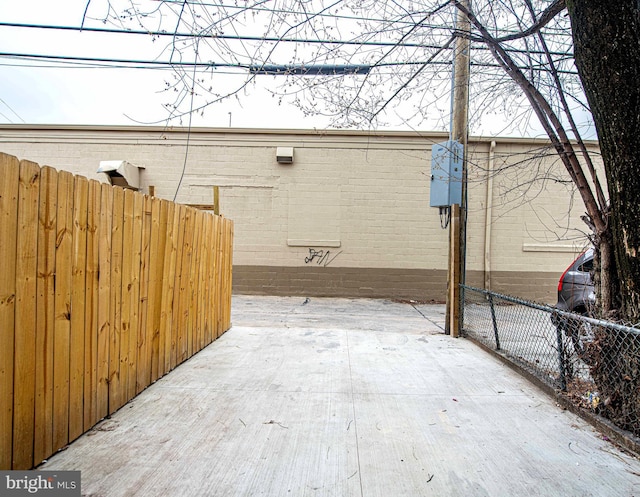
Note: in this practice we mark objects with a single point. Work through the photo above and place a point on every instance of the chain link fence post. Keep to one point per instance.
(494, 320)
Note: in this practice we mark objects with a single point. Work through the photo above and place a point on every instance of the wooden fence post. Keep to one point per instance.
(9, 178)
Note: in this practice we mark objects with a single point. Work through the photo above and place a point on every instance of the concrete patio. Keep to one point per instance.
(341, 397)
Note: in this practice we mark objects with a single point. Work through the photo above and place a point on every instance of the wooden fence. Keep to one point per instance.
(102, 291)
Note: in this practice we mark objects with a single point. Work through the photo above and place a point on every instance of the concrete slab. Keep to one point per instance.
(340, 397)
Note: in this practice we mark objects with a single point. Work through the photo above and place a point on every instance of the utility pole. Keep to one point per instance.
(459, 126)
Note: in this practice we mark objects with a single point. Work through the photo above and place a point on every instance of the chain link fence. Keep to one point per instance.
(596, 364)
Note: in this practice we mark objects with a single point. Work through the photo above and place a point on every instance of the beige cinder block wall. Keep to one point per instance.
(524, 224)
(350, 216)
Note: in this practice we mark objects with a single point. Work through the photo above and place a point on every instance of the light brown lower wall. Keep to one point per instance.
(416, 284)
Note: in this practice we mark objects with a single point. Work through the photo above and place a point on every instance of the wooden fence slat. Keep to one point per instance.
(127, 293)
(211, 256)
(62, 311)
(9, 180)
(194, 335)
(158, 245)
(25, 321)
(116, 378)
(104, 299)
(228, 277)
(184, 332)
(222, 281)
(78, 296)
(168, 287)
(217, 233)
(202, 311)
(218, 275)
(179, 243)
(45, 317)
(134, 302)
(225, 304)
(215, 240)
(177, 329)
(206, 285)
(144, 331)
(91, 308)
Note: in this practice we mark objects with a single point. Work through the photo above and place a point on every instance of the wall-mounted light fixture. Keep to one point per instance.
(121, 173)
(284, 155)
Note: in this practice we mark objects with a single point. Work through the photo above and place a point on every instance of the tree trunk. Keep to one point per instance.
(607, 53)
(607, 282)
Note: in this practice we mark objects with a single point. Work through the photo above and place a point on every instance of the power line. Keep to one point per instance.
(273, 39)
(11, 109)
(312, 69)
(251, 67)
(254, 8)
(107, 60)
(81, 65)
(297, 12)
(7, 118)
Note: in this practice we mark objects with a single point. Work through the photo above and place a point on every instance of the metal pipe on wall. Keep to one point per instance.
(488, 220)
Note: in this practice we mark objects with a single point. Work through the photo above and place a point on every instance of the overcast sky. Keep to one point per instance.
(36, 92)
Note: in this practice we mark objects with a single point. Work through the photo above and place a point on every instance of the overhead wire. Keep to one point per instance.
(236, 37)
(186, 152)
(274, 39)
(115, 62)
(409, 21)
(6, 117)
(207, 35)
(93, 62)
(107, 60)
(12, 111)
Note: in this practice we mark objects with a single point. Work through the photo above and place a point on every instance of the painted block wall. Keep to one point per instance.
(353, 204)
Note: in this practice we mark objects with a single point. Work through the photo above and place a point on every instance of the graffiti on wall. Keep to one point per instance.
(320, 257)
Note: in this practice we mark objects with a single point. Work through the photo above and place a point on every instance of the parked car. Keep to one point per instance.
(575, 287)
(576, 294)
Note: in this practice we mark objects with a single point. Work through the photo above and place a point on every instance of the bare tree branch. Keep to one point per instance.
(548, 118)
(545, 18)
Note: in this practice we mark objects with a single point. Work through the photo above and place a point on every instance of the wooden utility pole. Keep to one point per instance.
(216, 200)
(459, 126)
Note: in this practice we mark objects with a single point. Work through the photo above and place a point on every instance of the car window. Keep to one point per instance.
(587, 266)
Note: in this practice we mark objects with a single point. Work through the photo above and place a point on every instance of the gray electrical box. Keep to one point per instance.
(446, 173)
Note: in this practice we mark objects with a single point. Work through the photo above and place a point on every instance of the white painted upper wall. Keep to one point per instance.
(364, 196)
